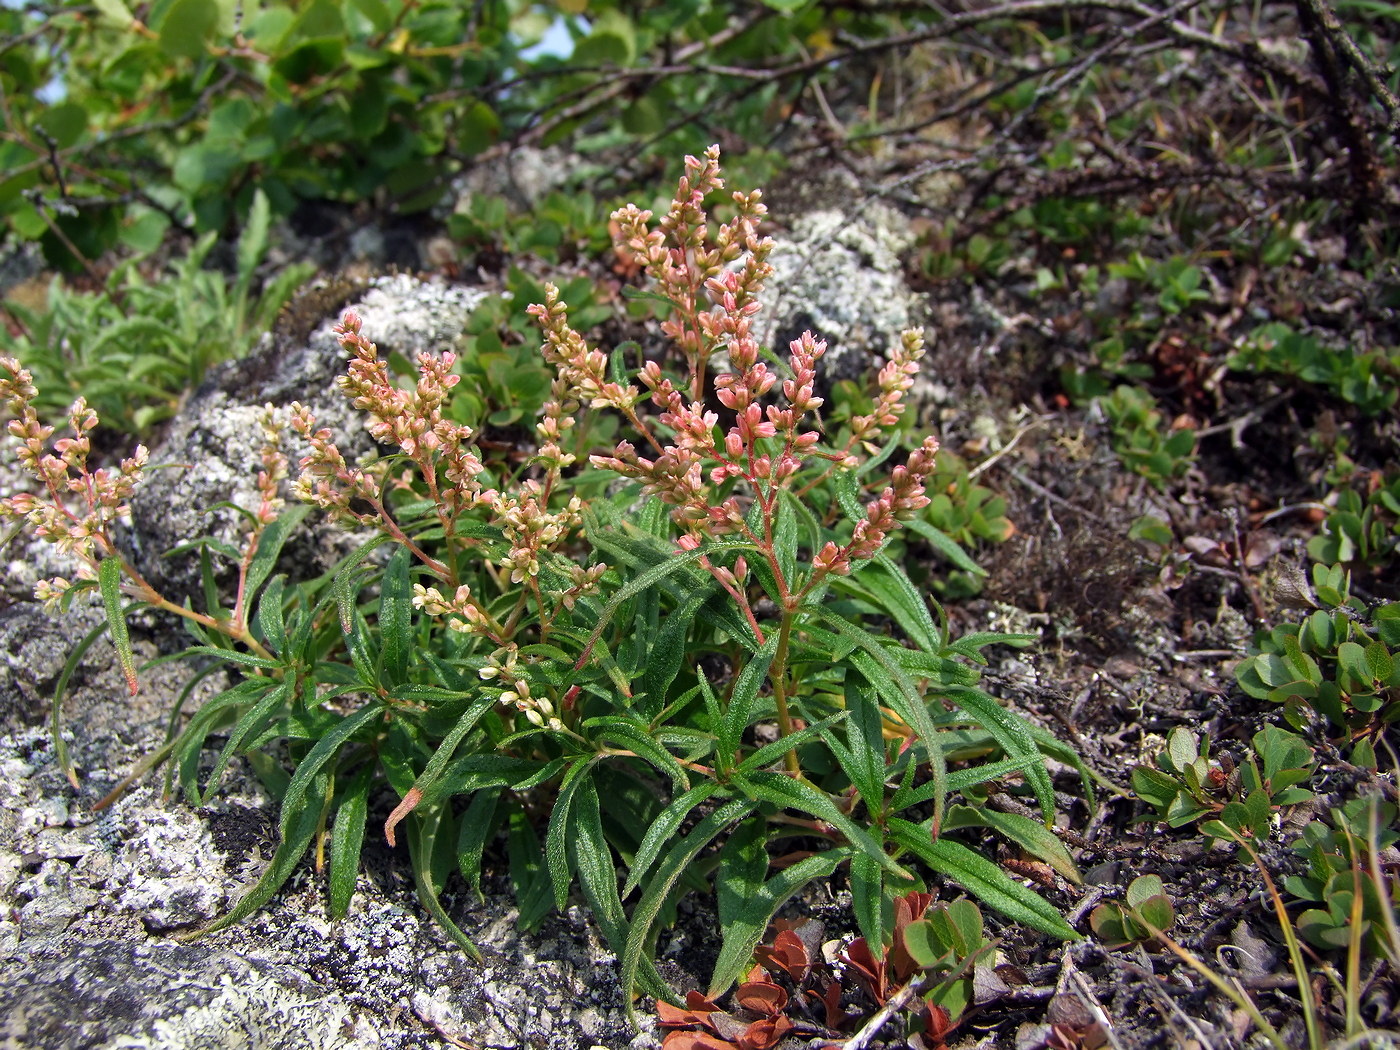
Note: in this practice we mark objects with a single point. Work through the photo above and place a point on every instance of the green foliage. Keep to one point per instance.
(1176, 280)
(1147, 911)
(1360, 530)
(131, 122)
(1140, 439)
(1339, 879)
(1339, 662)
(676, 710)
(135, 348)
(557, 228)
(1184, 785)
(1370, 381)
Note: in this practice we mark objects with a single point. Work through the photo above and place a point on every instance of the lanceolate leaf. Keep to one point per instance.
(302, 806)
(597, 878)
(745, 692)
(271, 703)
(742, 935)
(347, 838)
(109, 580)
(785, 791)
(1031, 835)
(903, 602)
(1013, 734)
(270, 543)
(556, 843)
(667, 873)
(743, 864)
(396, 618)
(981, 878)
(868, 897)
(428, 851)
(434, 769)
(662, 828)
(900, 692)
(668, 651)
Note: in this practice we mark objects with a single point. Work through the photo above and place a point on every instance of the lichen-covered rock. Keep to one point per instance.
(212, 445)
(838, 273)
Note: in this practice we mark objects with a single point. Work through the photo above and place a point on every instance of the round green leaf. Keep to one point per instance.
(187, 27)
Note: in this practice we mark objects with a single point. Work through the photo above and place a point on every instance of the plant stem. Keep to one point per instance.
(778, 675)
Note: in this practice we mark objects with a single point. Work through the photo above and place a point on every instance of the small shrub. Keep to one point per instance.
(746, 662)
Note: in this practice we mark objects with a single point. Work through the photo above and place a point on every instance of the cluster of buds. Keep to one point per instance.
(680, 257)
(904, 495)
(530, 527)
(503, 668)
(713, 286)
(895, 378)
(463, 612)
(411, 420)
(585, 580)
(274, 464)
(76, 507)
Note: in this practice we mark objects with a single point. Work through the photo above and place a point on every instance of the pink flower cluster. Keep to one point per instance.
(412, 420)
(77, 507)
(709, 478)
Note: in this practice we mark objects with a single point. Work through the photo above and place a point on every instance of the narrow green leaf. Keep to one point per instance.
(742, 935)
(270, 544)
(1031, 835)
(1013, 734)
(945, 545)
(981, 878)
(476, 826)
(251, 722)
(109, 581)
(347, 839)
(768, 754)
(866, 739)
(556, 842)
(668, 650)
(269, 620)
(743, 865)
(744, 694)
(785, 536)
(436, 764)
(427, 853)
(60, 746)
(663, 828)
(785, 791)
(903, 602)
(679, 561)
(396, 618)
(668, 872)
(635, 739)
(597, 876)
(299, 824)
(868, 898)
(902, 695)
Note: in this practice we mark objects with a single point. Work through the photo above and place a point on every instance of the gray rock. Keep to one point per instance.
(212, 446)
(837, 271)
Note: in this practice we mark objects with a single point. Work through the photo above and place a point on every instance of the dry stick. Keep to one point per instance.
(1369, 72)
(896, 1003)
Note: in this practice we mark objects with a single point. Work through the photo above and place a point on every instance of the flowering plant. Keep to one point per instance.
(712, 660)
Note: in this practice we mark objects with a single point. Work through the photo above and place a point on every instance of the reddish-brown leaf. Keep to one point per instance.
(761, 997)
(787, 954)
(694, 1041)
(696, 1001)
(867, 970)
(761, 1035)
